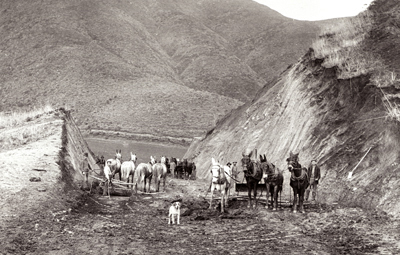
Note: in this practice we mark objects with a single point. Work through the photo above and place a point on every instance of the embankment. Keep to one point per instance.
(74, 146)
(47, 147)
(312, 112)
(184, 141)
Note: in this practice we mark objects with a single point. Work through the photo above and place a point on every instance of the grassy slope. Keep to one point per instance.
(265, 40)
(120, 64)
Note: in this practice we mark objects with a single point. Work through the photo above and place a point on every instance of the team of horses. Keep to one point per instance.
(129, 172)
(254, 171)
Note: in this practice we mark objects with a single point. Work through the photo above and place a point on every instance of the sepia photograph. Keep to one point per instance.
(199, 127)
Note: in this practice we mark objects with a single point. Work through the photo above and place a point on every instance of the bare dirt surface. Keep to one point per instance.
(137, 224)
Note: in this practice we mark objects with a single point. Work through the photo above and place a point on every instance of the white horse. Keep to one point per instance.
(115, 164)
(221, 181)
(128, 169)
(160, 172)
(143, 172)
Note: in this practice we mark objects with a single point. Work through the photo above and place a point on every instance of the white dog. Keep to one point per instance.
(174, 211)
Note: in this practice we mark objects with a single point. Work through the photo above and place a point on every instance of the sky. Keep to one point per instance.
(316, 9)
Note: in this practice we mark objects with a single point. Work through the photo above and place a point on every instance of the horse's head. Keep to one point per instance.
(246, 161)
(265, 166)
(118, 155)
(133, 157)
(152, 160)
(292, 161)
(215, 167)
(163, 159)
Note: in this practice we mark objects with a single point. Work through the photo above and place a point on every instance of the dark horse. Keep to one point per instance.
(298, 180)
(179, 170)
(273, 179)
(168, 165)
(188, 168)
(253, 175)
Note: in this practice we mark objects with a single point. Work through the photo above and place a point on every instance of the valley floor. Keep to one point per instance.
(138, 225)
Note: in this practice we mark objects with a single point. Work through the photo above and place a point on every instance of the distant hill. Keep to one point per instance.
(166, 67)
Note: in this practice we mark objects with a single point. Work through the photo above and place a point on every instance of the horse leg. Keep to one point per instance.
(255, 195)
(222, 198)
(267, 191)
(226, 194)
(157, 182)
(275, 195)
(151, 177)
(165, 179)
(212, 193)
(295, 200)
(301, 199)
(249, 194)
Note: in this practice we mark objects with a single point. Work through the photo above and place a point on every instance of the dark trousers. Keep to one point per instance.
(313, 188)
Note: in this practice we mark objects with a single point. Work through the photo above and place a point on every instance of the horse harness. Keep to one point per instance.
(302, 177)
(256, 165)
(220, 177)
(299, 179)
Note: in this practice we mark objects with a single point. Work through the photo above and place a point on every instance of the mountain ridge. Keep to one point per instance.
(93, 56)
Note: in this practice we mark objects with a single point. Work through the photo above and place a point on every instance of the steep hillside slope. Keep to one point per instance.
(334, 105)
(120, 64)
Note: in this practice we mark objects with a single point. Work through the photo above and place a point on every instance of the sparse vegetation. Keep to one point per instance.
(24, 135)
(343, 46)
(23, 131)
(12, 119)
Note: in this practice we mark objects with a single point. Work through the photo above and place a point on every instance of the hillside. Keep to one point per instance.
(145, 67)
(335, 104)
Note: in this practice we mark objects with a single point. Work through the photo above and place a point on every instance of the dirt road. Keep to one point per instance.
(138, 225)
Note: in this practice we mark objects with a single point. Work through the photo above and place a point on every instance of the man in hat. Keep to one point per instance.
(235, 174)
(314, 175)
(85, 170)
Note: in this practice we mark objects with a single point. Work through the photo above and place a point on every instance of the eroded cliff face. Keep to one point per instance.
(311, 112)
